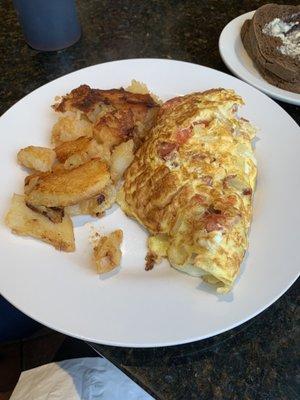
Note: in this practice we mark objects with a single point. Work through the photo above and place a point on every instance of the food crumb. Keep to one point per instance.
(106, 250)
(93, 235)
(151, 259)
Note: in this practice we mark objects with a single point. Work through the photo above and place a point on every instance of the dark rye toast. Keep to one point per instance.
(284, 66)
(279, 69)
(267, 75)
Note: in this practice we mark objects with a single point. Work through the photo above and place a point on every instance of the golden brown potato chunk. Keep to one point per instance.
(54, 214)
(70, 127)
(138, 87)
(38, 158)
(31, 181)
(66, 149)
(67, 187)
(24, 221)
(79, 151)
(122, 156)
(107, 252)
(117, 114)
(114, 128)
(85, 99)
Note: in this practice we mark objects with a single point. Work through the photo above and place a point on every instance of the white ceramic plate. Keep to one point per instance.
(160, 307)
(237, 60)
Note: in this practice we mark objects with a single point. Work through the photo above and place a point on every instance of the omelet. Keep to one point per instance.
(191, 185)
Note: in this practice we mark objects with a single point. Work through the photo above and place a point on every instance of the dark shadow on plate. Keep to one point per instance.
(81, 220)
(243, 267)
(207, 288)
(255, 140)
(28, 171)
(112, 209)
(227, 297)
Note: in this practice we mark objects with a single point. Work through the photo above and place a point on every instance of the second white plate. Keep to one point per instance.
(237, 60)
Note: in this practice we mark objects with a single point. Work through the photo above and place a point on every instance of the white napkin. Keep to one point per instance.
(79, 379)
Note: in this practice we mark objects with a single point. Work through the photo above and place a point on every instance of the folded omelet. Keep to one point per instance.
(191, 185)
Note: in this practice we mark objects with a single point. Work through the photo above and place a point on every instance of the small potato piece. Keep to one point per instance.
(141, 88)
(107, 252)
(24, 221)
(114, 128)
(58, 167)
(79, 151)
(66, 149)
(76, 159)
(37, 158)
(95, 206)
(70, 127)
(94, 150)
(68, 187)
(54, 214)
(122, 156)
(32, 180)
(137, 87)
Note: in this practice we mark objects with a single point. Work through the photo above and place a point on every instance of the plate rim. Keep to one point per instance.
(158, 345)
(273, 91)
(170, 343)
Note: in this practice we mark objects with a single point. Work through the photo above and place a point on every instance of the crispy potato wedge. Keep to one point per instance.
(107, 252)
(67, 187)
(24, 221)
(37, 158)
(31, 180)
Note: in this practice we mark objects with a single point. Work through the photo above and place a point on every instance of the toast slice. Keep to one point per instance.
(279, 69)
